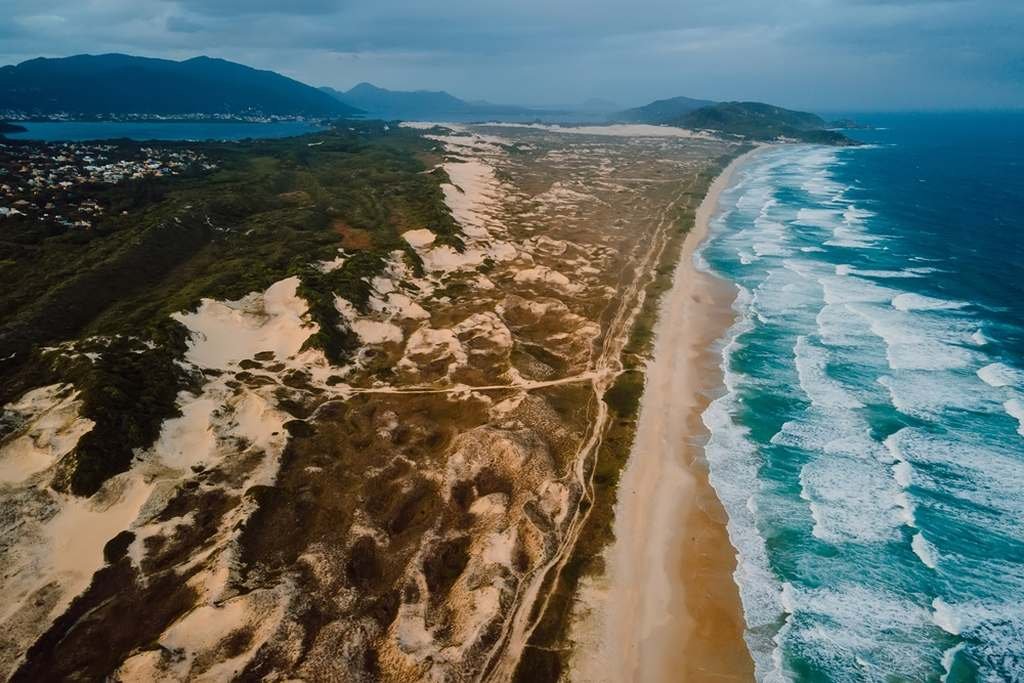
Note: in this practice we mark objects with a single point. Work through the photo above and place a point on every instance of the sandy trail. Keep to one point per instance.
(671, 611)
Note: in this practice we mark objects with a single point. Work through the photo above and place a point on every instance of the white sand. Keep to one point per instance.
(226, 332)
(52, 427)
(419, 238)
(332, 265)
(630, 130)
(546, 276)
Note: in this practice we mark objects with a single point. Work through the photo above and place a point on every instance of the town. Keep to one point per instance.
(54, 182)
(247, 116)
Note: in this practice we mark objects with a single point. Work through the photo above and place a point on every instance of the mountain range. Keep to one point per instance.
(115, 84)
(95, 85)
(413, 104)
(661, 111)
(752, 120)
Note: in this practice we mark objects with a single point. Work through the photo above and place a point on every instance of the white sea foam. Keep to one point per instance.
(1015, 409)
(948, 658)
(924, 550)
(983, 475)
(812, 368)
(836, 628)
(903, 473)
(819, 218)
(859, 493)
(786, 292)
(847, 483)
(851, 500)
(852, 236)
(1001, 375)
(945, 618)
(734, 463)
(917, 342)
(848, 290)
(905, 274)
(909, 301)
(992, 632)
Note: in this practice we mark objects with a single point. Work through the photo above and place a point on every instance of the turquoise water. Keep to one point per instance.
(75, 131)
(869, 447)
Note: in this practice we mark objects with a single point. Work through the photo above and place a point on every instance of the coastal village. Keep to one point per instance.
(51, 182)
(248, 116)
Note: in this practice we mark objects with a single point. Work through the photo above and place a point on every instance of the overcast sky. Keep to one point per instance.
(816, 54)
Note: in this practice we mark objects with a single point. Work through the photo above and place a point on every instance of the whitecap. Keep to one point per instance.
(927, 395)
(1001, 375)
(851, 500)
(903, 473)
(919, 302)
(819, 218)
(948, 658)
(836, 629)
(945, 618)
(1015, 409)
(918, 342)
(924, 550)
(812, 368)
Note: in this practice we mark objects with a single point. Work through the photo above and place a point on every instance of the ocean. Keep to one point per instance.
(77, 131)
(869, 442)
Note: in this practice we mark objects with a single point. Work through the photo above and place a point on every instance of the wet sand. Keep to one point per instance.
(668, 609)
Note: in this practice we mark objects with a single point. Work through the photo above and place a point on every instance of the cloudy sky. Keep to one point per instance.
(817, 54)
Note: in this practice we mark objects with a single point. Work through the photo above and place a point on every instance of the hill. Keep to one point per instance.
(661, 111)
(418, 104)
(760, 121)
(96, 85)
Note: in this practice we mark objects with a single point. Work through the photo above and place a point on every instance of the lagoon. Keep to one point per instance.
(74, 131)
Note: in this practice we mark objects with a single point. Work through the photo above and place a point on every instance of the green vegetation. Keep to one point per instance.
(624, 396)
(101, 85)
(759, 121)
(660, 111)
(128, 391)
(270, 210)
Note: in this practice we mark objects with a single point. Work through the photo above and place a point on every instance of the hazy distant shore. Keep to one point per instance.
(671, 611)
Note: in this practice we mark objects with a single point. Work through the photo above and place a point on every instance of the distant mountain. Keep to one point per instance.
(760, 121)
(122, 84)
(418, 104)
(598, 105)
(753, 120)
(661, 111)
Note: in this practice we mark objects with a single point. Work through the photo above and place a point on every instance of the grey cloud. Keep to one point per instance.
(177, 24)
(811, 53)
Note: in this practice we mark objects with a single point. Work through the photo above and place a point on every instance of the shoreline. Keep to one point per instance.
(668, 608)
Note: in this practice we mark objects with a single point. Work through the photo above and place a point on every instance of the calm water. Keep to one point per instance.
(147, 130)
(870, 446)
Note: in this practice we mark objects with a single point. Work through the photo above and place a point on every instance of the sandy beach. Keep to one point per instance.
(667, 608)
